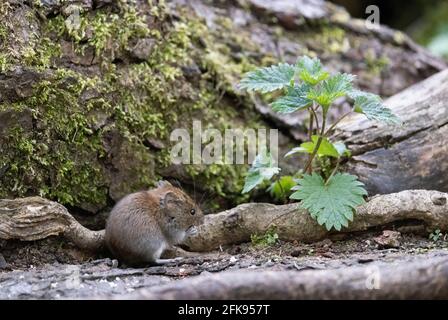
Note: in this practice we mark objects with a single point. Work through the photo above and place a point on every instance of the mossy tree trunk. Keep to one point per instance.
(90, 90)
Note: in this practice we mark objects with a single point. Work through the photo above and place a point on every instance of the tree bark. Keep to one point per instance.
(36, 218)
(391, 158)
(419, 279)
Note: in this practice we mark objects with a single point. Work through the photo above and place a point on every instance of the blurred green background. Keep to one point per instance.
(426, 21)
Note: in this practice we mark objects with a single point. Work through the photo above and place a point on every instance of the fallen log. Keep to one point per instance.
(414, 156)
(37, 218)
(419, 279)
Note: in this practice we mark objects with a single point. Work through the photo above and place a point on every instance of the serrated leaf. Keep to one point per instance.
(338, 85)
(372, 107)
(333, 204)
(311, 70)
(295, 99)
(262, 169)
(326, 148)
(268, 79)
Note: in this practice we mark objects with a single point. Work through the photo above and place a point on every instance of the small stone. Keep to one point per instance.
(191, 71)
(365, 260)
(114, 263)
(326, 243)
(327, 254)
(389, 239)
(296, 252)
(268, 264)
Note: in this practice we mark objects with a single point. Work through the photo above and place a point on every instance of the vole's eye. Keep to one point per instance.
(192, 211)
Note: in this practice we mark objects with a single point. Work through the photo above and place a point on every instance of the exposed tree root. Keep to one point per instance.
(293, 223)
(418, 279)
(36, 218)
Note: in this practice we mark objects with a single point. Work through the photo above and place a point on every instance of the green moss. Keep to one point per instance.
(375, 64)
(270, 238)
(3, 33)
(42, 55)
(64, 156)
(5, 62)
(332, 39)
(57, 160)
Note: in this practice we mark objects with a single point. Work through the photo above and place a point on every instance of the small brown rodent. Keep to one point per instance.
(144, 224)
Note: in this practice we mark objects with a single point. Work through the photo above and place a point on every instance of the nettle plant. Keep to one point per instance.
(329, 196)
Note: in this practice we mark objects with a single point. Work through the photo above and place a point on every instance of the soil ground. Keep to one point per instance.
(52, 269)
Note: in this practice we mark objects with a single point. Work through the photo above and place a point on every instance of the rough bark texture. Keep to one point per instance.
(236, 225)
(415, 155)
(79, 103)
(420, 279)
(36, 218)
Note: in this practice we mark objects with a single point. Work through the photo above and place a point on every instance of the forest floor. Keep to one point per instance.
(48, 270)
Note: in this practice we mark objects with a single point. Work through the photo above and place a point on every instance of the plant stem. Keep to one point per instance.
(310, 126)
(308, 167)
(336, 123)
(315, 118)
(333, 172)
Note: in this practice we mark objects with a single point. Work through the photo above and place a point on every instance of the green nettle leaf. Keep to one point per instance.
(262, 169)
(268, 79)
(333, 203)
(326, 148)
(338, 85)
(372, 107)
(311, 70)
(295, 99)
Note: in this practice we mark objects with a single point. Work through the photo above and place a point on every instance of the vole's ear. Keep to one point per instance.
(163, 183)
(168, 200)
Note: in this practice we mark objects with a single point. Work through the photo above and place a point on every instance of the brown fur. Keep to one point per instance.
(143, 224)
